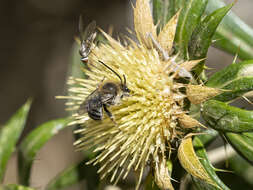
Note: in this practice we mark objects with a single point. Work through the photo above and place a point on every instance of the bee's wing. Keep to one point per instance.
(88, 32)
(80, 27)
(84, 106)
(93, 106)
(107, 98)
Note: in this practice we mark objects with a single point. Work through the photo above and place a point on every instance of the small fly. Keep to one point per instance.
(87, 36)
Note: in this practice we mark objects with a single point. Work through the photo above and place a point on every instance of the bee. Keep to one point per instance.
(107, 94)
(87, 37)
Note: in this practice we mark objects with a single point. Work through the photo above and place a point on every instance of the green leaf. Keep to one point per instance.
(208, 137)
(149, 183)
(231, 73)
(236, 79)
(10, 133)
(202, 185)
(226, 118)
(74, 175)
(236, 89)
(241, 168)
(163, 10)
(201, 153)
(242, 143)
(190, 15)
(15, 187)
(232, 35)
(32, 143)
(202, 36)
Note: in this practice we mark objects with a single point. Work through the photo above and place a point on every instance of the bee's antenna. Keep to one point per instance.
(124, 79)
(113, 71)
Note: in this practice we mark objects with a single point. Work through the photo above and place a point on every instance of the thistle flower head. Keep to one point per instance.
(152, 116)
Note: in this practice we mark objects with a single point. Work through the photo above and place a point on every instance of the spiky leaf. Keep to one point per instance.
(33, 143)
(10, 133)
(202, 36)
(201, 153)
(189, 18)
(231, 73)
(163, 10)
(241, 168)
(208, 137)
(242, 143)
(73, 175)
(226, 118)
(233, 35)
(202, 185)
(236, 89)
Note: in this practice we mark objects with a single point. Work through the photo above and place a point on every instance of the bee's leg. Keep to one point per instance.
(109, 113)
(101, 82)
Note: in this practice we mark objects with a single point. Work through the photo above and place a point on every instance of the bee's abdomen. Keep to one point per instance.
(95, 109)
(95, 114)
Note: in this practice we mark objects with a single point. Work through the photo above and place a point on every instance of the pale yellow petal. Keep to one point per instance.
(166, 36)
(143, 22)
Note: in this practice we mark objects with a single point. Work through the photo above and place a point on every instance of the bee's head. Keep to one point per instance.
(124, 87)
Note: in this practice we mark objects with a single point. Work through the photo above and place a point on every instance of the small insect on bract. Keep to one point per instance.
(107, 94)
(87, 37)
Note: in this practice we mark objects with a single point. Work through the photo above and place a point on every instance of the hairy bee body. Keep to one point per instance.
(104, 96)
(94, 106)
(107, 94)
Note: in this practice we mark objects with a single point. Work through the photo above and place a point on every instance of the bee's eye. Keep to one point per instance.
(127, 90)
